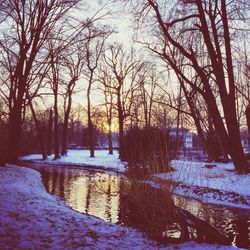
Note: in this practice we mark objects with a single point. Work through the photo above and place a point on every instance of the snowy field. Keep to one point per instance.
(30, 218)
(214, 184)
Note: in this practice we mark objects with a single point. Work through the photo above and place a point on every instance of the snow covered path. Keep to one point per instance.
(30, 218)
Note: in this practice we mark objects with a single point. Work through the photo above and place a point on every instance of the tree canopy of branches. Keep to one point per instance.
(194, 38)
(26, 25)
(124, 68)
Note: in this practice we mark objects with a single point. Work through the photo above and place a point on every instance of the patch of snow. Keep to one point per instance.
(218, 177)
(30, 218)
(102, 159)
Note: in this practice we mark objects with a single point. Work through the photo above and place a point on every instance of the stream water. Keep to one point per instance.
(152, 210)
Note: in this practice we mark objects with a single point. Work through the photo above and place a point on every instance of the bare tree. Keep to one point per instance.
(50, 130)
(144, 95)
(204, 30)
(55, 78)
(73, 63)
(94, 47)
(24, 32)
(124, 67)
(105, 78)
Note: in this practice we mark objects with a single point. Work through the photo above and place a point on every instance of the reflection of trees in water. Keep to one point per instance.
(243, 237)
(92, 193)
(88, 194)
(154, 212)
(61, 179)
(106, 189)
(108, 200)
(148, 209)
(236, 227)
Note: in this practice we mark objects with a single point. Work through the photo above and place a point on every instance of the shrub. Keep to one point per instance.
(146, 149)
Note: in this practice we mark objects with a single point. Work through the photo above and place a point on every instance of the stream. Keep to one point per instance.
(153, 211)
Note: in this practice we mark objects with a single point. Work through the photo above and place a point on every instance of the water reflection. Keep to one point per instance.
(93, 193)
(151, 210)
(233, 222)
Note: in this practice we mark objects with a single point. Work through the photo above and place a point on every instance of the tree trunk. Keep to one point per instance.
(39, 132)
(177, 140)
(145, 106)
(65, 126)
(56, 140)
(90, 125)
(214, 148)
(227, 96)
(50, 128)
(237, 152)
(120, 121)
(110, 139)
(90, 132)
(2, 154)
(220, 131)
(210, 151)
(14, 132)
(248, 122)
(2, 158)
(109, 118)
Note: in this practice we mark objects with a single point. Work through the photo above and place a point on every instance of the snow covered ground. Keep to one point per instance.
(30, 218)
(209, 182)
(81, 157)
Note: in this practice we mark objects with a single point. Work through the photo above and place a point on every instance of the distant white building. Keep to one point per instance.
(184, 135)
(188, 140)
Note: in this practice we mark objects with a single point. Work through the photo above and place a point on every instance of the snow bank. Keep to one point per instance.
(214, 175)
(30, 218)
(211, 177)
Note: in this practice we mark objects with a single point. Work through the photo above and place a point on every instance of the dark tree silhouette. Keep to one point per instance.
(26, 28)
(124, 67)
(207, 23)
(248, 122)
(74, 63)
(94, 49)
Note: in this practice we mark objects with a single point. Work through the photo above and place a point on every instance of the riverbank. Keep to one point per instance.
(33, 219)
(215, 183)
